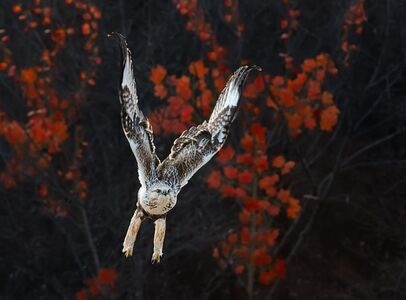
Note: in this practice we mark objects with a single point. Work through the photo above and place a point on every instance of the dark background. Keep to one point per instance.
(348, 245)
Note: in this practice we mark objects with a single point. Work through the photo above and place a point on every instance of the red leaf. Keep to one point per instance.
(245, 159)
(328, 118)
(232, 238)
(14, 133)
(225, 154)
(280, 268)
(239, 269)
(158, 73)
(160, 91)
(245, 177)
(258, 131)
(268, 181)
(186, 113)
(284, 195)
(288, 167)
(267, 277)
(247, 142)
(183, 87)
(278, 161)
(107, 277)
(230, 172)
(261, 162)
(214, 179)
(245, 216)
(227, 190)
(198, 68)
(251, 205)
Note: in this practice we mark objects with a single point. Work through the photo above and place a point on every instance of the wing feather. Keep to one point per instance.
(136, 126)
(197, 145)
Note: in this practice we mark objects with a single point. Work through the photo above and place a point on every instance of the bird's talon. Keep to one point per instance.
(128, 252)
(156, 257)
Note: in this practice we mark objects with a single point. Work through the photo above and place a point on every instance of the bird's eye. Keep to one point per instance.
(158, 191)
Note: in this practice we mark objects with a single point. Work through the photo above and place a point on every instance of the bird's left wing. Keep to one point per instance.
(136, 126)
(197, 145)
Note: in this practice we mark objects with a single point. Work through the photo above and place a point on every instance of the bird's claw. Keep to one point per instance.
(156, 257)
(128, 251)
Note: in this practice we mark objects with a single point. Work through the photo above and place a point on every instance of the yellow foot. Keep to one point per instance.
(156, 257)
(128, 251)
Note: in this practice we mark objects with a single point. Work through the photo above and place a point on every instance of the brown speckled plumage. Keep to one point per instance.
(162, 181)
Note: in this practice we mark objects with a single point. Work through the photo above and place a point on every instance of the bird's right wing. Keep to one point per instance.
(136, 126)
(197, 145)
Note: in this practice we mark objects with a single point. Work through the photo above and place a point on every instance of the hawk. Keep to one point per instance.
(161, 181)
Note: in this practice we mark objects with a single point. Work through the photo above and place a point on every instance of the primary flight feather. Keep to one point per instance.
(162, 181)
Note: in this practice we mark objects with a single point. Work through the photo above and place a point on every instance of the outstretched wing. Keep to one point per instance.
(197, 145)
(136, 126)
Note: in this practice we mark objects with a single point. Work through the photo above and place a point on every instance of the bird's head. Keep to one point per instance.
(157, 199)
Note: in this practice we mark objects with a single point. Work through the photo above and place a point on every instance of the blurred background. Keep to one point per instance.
(305, 201)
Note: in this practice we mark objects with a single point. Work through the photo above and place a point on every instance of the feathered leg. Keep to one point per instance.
(132, 232)
(159, 236)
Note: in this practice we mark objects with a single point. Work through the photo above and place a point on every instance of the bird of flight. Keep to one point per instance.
(161, 181)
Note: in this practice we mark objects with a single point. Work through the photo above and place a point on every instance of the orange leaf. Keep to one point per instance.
(294, 121)
(260, 257)
(205, 102)
(327, 98)
(278, 81)
(284, 195)
(313, 90)
(278, 161)
(160, 91)
(16, 9)
(158, 73)
(309, 65)
(328, 118)
(85, 29)
(297, 84)
(288, 167)
(310, 123)
(219, 83)
(268, 181)
(274, 210)
(271, 103)
(287, 97)
(271, 237)
(183, 87)
(14, 133)
(29, 75)
(293, 208)
(198, 68)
